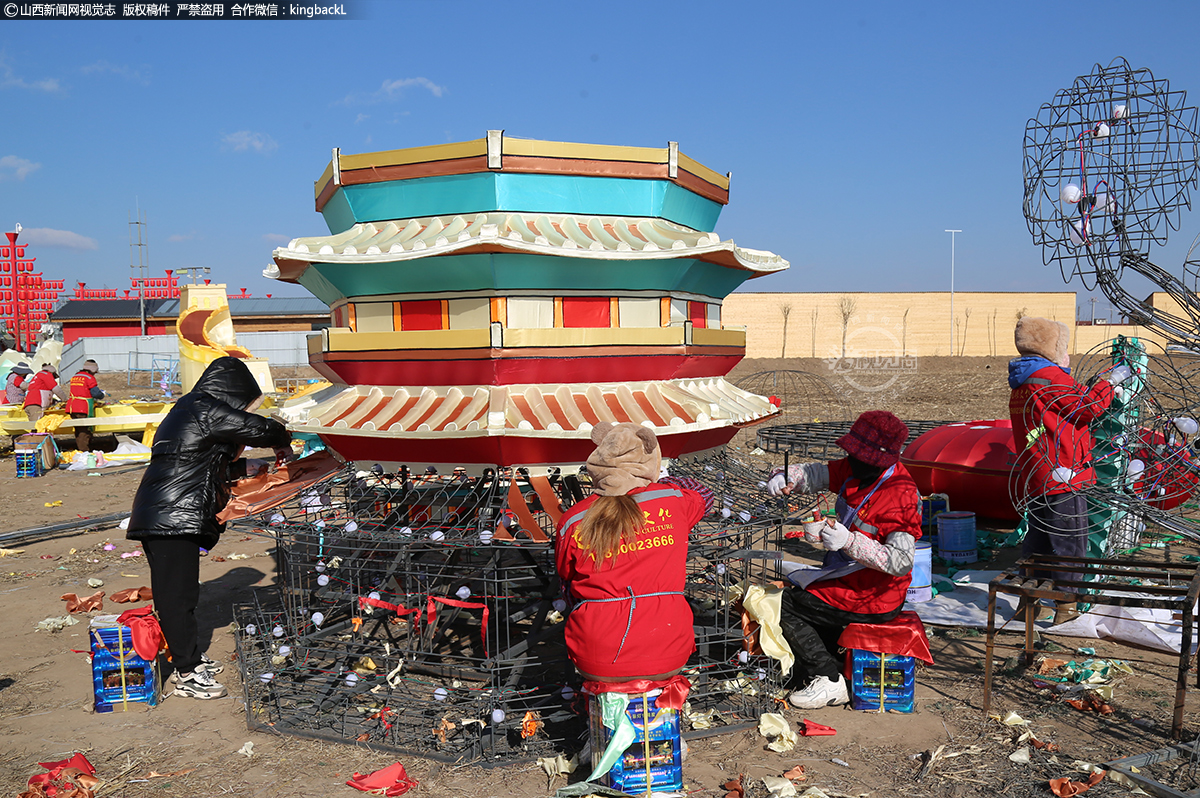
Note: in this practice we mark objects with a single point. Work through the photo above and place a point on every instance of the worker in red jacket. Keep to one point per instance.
(83, 393)
(621, 557)
(870, 549)
(1050, 417)
(40, 392)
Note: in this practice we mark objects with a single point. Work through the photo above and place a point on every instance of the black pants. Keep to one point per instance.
(1058, 525)
(812, 629)
(175, 579)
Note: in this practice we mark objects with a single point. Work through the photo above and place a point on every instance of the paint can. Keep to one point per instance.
(956, 537)
(921, 587)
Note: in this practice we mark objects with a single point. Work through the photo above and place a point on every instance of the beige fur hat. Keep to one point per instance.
(627, 457)
(1037, 336)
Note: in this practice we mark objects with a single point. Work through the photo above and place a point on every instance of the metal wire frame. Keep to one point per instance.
(818, 440)
(803, 396)
(346, 648)
(1109, 165)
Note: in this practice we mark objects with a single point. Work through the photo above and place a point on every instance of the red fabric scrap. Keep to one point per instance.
(809, 728)
(77, 604)
(145, 631)
(674, 690)
(1065, 788)
(69, 778)
(904, 637)
(431, 614)
(390, 781)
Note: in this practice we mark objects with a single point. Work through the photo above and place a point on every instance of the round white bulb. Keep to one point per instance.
(743, 656)
(320, 567)
(720, 567)
(497, 716)
(285, 650)
(1162, 491)
(725, 512)
(323, 580)
(744, 515)
(1135, 467)
(485, 535)
(351, 679)
(277, 518)
(318, 618)
(1078, 232)
(351, 526)
(277, 631)
(1070, 193)
(1119, 111)
(437, 534)
(1101, 131)
(568, 693)
(406, 531)
(761, 673)
(463, 593)
(560, 605)
(265, 677)
(1187, 426)
(374, 594)
(440, 694)
(762, 484)
(251, 629)
(320, 524)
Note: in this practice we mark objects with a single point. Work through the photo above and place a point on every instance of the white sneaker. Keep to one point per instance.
(211, 665)
(198, 684)
(821, 692)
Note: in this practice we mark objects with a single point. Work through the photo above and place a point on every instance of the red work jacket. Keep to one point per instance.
(894, 507)
(39, 389)
(80, 399)
(1050, 416)
(605, 638)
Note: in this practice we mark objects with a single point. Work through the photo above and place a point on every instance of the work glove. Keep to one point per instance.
(812, 531)
(835, 537)
(1119, 374)
(800, 478)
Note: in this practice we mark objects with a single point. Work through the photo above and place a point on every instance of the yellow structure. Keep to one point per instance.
(205, 332)
(916, 324)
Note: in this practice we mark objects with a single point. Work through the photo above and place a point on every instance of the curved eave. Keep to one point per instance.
(290, 263)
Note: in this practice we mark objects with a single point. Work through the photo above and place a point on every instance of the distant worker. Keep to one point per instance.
(17, 384)
(83, 394)
(1050, 416)
(40, 393)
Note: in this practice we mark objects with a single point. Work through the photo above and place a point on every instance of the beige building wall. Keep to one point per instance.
(888, 324)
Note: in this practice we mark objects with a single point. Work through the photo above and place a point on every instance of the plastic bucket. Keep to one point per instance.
(956, 537)
(931, 507)
(921, 587)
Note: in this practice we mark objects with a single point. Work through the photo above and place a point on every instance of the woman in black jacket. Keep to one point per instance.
(194, 459)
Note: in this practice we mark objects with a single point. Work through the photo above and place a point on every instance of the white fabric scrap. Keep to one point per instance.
(772, 724)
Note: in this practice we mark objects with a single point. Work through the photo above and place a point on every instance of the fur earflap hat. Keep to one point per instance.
(627, 457)
(1043, 338)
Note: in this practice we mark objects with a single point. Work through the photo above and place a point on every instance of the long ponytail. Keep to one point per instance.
(610, 522)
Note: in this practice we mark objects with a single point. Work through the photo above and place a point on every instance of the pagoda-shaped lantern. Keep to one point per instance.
(494, 299)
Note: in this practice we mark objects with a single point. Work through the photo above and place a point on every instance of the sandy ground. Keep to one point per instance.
(46, 695)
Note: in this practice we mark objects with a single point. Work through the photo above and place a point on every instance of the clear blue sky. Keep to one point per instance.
(856, 132)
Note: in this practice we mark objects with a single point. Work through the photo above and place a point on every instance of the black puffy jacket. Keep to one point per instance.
(187, 482)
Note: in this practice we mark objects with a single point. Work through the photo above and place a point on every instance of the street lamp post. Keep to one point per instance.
(952, 232)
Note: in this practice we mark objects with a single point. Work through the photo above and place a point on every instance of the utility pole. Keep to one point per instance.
(142, 267)
(952, 233)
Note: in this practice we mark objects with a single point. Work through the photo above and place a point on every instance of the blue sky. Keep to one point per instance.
(856, 132)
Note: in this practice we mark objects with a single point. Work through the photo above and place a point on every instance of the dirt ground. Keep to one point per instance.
(46, 693)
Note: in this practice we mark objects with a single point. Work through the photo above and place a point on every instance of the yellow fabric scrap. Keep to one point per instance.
(57, 503)
(11, 552)
(51, 422)
(558, 765)
(779, 787)
(772, 724)
(763, 605)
